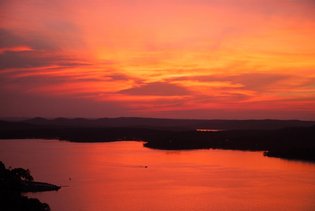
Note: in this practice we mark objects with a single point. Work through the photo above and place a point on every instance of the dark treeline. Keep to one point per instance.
(292, 143)
(172, 124)
(11, 186)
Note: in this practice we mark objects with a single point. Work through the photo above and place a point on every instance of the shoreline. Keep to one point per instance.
(288, 143)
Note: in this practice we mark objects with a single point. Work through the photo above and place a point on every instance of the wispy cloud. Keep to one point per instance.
(155, 58)
(157, 88)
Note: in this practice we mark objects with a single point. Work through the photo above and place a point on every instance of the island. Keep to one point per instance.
(290, 139)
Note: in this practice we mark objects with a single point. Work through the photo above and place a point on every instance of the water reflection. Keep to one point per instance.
(210, 130)
(111, 176)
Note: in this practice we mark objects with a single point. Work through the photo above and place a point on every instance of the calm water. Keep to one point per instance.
(112, 176)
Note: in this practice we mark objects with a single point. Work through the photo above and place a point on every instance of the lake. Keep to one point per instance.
(127, 176)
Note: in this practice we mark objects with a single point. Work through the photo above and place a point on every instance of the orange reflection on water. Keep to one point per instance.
(209, 130)
(112, 176)
(195, 179)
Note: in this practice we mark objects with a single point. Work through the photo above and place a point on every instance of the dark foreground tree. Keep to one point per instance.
(10, 191)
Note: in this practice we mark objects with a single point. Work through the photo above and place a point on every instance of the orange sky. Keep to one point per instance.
(208, 59)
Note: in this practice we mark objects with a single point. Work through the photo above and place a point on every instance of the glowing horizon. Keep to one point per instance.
(230, 59)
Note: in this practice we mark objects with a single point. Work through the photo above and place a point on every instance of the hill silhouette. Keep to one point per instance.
(287, 142)
(173, 124)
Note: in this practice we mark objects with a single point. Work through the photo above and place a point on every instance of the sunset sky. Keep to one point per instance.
(201, 59)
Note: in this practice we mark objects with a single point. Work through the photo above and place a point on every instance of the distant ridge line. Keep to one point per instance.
(172, 124)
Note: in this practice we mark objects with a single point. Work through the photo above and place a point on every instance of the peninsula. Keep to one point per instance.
(292, 139)
(15, 181)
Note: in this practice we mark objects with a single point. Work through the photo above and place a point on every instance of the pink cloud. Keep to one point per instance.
(168, 58)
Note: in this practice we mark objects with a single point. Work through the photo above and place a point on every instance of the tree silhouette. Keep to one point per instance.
(22, 174)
